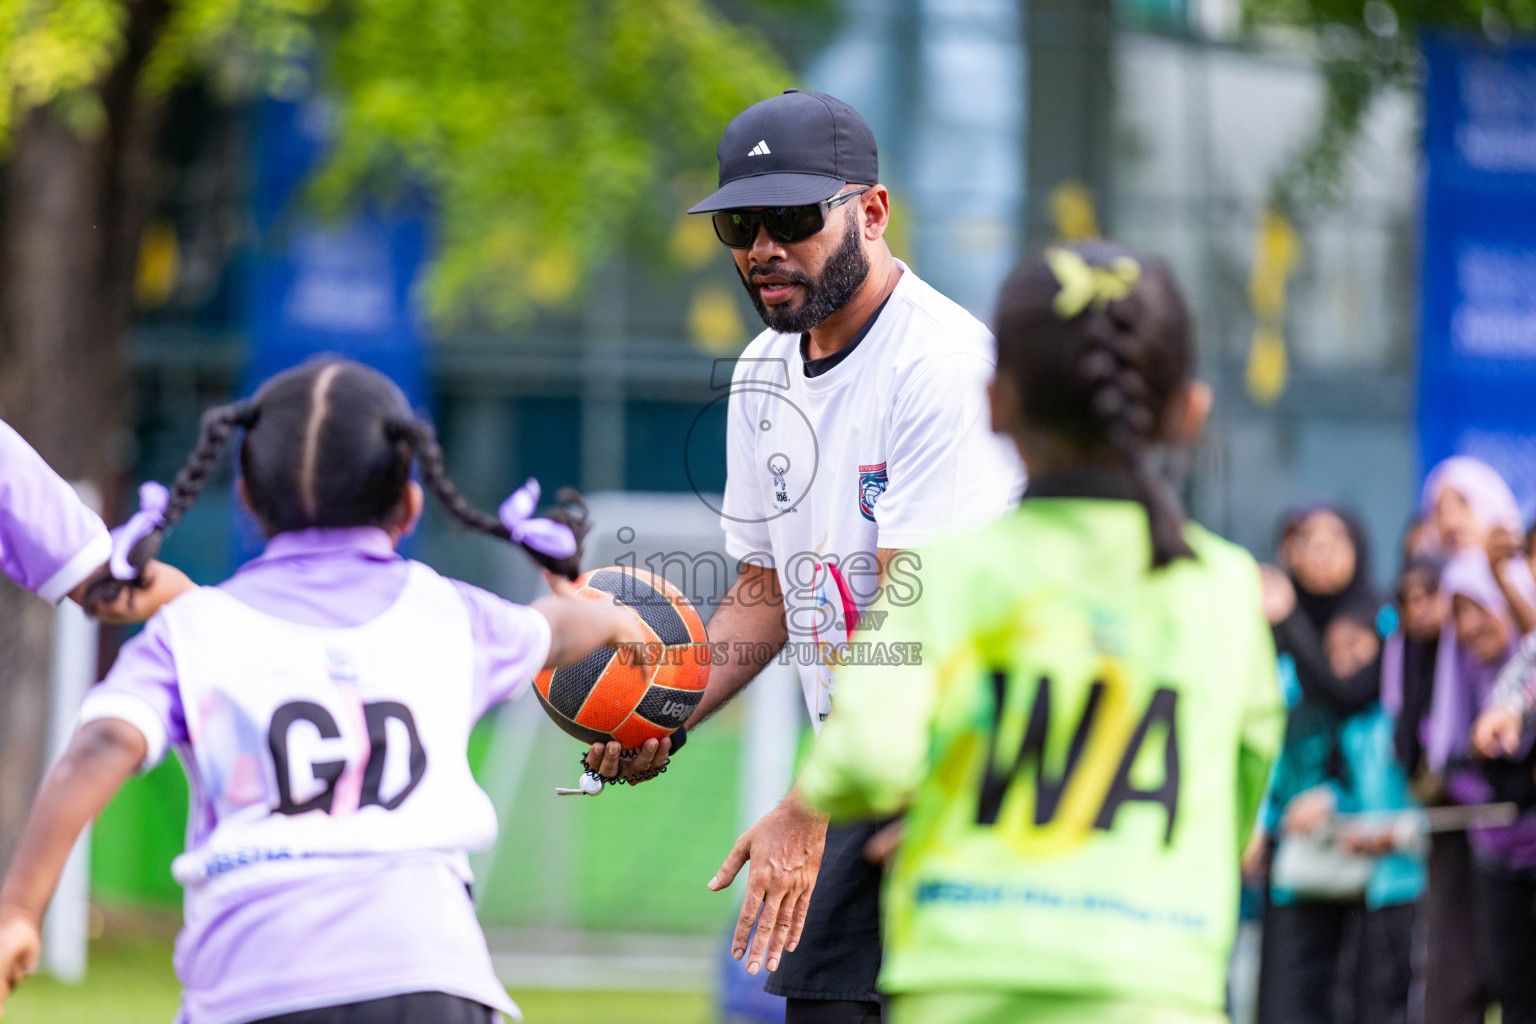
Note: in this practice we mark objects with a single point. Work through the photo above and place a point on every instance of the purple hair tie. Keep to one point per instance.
(545, 536)
(153, 499)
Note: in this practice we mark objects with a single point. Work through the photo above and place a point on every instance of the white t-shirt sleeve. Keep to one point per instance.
(748, 504)
(946, 469)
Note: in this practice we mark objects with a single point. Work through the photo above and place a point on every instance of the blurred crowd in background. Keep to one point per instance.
(1394, 874)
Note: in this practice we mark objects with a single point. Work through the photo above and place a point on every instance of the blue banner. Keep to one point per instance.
(1477, 353)
(347, 287)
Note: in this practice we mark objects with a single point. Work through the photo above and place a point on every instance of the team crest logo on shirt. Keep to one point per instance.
(872, 484)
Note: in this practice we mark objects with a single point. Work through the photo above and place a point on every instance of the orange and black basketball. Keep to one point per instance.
(605, 696)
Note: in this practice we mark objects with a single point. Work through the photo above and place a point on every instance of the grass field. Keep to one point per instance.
(131, 982)
(558, 863)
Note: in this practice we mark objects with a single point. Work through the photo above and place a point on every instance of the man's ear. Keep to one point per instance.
(874, 209)
(1191, 412)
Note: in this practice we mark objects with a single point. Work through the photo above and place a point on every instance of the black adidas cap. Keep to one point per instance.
(801, 147)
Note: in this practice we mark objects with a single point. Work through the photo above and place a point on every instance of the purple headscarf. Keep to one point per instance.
(1462, 681)
(1480, 485)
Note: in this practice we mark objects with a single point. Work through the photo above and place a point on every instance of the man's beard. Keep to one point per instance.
(843, 275)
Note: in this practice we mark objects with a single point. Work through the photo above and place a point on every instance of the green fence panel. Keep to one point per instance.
(138, 836)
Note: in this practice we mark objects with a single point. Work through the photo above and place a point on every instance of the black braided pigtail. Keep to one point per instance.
(429, 457)
(219, 424)
(1121, 404)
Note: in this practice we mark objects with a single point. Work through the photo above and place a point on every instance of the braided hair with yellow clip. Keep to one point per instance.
(1098, 343)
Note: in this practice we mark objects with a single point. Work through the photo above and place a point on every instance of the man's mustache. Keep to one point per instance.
(788, 276)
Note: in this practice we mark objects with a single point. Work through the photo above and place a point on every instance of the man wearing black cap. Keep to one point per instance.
(856, 431)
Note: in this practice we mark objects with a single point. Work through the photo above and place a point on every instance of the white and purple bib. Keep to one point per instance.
(315, 742)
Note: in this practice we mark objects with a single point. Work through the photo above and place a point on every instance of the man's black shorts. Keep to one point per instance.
(839, 952)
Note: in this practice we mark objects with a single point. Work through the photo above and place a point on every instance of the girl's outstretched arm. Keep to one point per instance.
(103, 754)
(578, 626)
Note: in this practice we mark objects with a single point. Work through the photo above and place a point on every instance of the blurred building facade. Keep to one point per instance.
(1004, 125)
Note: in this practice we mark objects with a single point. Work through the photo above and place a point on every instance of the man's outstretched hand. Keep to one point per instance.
(784, 848)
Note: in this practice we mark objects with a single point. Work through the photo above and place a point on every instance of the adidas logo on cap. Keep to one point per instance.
(790, 150)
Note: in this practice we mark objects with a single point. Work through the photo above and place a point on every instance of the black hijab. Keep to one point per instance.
(1321, 609)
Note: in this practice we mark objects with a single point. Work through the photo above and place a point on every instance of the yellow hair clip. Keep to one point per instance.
(1084, 285)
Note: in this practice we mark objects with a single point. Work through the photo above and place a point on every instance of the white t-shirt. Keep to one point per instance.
(887, 449)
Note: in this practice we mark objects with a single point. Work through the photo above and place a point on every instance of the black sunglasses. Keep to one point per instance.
(737, 228)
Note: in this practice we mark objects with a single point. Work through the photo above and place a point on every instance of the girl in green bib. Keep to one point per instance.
(1081, 746)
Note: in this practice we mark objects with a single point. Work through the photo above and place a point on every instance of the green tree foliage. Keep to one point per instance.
(1368, 45)
(541, 128)
(1412, 15)
(56, 53)
(536, 127)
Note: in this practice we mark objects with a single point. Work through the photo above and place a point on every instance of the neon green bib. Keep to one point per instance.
(1082, 747)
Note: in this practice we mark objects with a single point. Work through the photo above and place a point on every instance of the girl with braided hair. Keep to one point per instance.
(321, 701)
(1081, 748)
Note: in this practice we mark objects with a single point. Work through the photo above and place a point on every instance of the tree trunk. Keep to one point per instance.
(74, 210)
(59, 389)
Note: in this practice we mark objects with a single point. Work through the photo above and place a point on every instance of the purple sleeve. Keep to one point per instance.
(511, 645)
(141, 690)
(50, 542)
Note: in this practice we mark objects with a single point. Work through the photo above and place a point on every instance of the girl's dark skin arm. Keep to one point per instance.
(103, 754)
(578, 626)
(162, 584)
